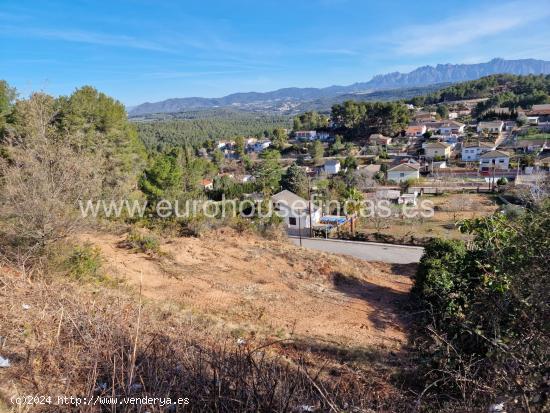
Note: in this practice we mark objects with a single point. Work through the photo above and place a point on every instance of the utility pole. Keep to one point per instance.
(309, 198)
(494, 167)
(300, 228)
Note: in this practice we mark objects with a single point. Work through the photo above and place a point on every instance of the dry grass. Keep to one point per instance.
(268, 288)
(86, 339)
(449, 209)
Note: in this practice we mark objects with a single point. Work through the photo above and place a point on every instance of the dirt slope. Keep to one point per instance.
(253, 286)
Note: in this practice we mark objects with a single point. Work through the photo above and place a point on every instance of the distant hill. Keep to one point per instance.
(294, 100)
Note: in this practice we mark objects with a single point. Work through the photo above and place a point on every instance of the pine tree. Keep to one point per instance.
(295, 180)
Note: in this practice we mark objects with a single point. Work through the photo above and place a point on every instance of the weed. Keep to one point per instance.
(146, 243)
(84, 263)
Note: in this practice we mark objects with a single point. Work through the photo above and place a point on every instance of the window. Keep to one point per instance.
(292, 220)
(402, 174)
(501, 160)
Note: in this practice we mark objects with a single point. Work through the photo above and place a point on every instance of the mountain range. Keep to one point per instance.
(388, 86)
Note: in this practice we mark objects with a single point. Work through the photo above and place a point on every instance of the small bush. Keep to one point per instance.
(196, 226)
(240, 224)
(502, 181)
(84, 263)
(143, 242)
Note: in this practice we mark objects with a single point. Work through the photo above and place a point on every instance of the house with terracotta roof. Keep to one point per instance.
(403, 172)
(540, 110)
(416, 130)
(498, 160)
(207, 184)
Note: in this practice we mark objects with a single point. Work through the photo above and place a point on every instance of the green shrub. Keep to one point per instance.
(84, 263)
(486, 310)
(195, 226)
(502, 181)
(143, 242)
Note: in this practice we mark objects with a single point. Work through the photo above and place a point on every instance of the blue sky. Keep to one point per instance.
(149, 50)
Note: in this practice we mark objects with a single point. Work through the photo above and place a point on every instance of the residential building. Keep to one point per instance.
(403, 172)
(331, 167)
(435, 150)
(295, 211)
(498, 160)
(450, 139)
(509, 125)
(435, 166)
(540, 110)
(532, 120)
(424, 116)
(451, 128)
(379, 139)
(387, 194)
(416, 130)
(305, 135)
(471, 151)
(464, 112)
(433, 126)
(395, 196)
(490, 127)
(371, 168)
(530, 145)
(261, 146)
(207, 184)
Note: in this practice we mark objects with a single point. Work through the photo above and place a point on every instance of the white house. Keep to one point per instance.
(395, 196)
(498, 160)
(435, 166)
(332, 166)
(471, 151)
(490, 127)
(295, 211)
(415, 130)
(261, 146)
(306, 135)
(403, 172)
(451, 127)
(533, 120)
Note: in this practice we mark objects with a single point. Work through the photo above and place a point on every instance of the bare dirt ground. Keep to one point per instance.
(252, 286)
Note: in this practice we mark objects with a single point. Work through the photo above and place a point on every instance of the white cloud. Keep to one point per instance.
(80, 36)
(464, 29)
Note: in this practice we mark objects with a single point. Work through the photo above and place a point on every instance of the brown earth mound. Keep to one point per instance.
(256, 286)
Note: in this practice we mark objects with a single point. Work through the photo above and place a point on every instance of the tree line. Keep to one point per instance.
(503, 90)
(199, 128)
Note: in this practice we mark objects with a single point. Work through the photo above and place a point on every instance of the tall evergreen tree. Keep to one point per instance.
(295, 180)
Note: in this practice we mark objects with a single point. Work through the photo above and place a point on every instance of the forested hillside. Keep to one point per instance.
(198, 127)
(501, 90)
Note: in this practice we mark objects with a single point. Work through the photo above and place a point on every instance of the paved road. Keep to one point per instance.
(371, 251)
